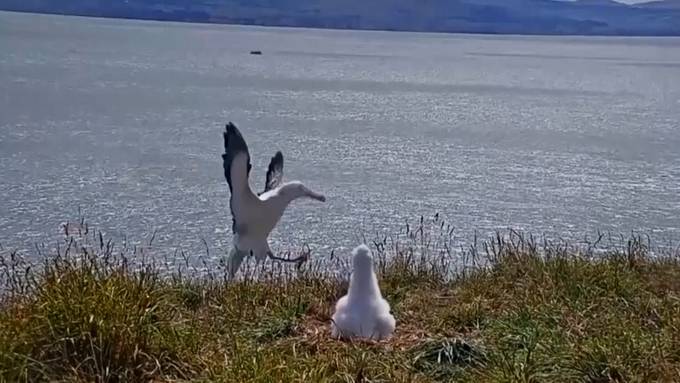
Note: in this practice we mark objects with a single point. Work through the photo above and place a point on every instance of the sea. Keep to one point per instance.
(119, 123)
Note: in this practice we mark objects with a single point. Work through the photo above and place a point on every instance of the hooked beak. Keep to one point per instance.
(316, 196)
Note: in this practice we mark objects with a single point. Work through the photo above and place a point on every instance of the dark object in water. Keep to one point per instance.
(255, 52)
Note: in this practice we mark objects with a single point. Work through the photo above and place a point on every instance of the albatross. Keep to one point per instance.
(255, 215)
(363, 312)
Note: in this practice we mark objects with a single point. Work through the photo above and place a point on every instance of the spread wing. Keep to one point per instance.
(274, 173)
(236, 164)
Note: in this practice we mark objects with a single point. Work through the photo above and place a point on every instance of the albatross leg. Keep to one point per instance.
(235, 260)
(299, 260)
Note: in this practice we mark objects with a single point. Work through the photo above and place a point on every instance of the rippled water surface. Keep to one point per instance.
(122, 120)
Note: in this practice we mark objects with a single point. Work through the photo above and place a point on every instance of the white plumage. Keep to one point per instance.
(362, 313)
(254, 216)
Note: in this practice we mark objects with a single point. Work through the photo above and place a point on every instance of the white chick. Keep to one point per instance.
(362, 313)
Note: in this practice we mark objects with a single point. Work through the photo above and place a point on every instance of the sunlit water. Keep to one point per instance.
(122, 120)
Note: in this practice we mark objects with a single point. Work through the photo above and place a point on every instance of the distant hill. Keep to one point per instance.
(662, 4)
(599, 3)
(581, 17)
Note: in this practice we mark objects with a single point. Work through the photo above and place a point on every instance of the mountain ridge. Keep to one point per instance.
(546, 17)
(660, 4)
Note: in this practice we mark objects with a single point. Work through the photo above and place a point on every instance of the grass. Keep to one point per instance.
(531, 313)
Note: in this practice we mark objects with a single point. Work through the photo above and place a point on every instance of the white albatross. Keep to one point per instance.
(362, 313)
(255, 215)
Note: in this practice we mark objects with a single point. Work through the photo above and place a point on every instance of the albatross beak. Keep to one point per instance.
(317, 196)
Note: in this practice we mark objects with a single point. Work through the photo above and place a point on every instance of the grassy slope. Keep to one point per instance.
(87, 316)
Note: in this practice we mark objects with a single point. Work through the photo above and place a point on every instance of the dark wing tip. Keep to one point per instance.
(230, 130)
(233, 140)
(233, 144)
(274, 172)
(276, 163)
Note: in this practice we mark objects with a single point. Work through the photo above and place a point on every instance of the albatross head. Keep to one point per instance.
(363, 285)
(295, 189)
(362, 262)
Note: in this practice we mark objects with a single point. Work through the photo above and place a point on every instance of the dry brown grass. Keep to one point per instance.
(533, 313)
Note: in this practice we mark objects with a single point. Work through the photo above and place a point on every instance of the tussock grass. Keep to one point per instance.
(513, 310)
